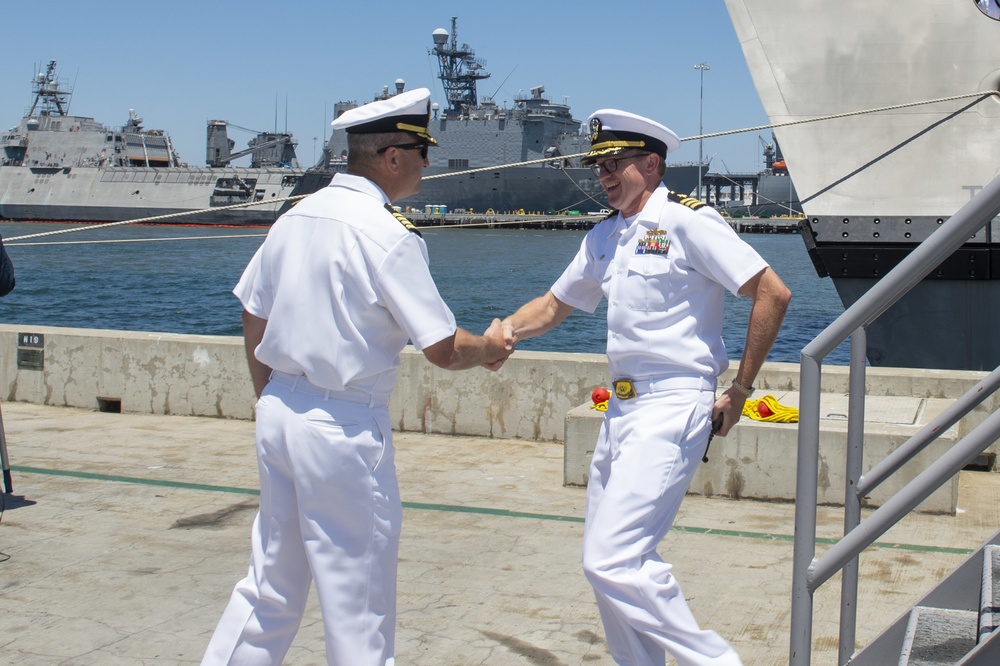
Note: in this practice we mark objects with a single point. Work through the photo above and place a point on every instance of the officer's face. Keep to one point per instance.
(626, 185)
(412, 164)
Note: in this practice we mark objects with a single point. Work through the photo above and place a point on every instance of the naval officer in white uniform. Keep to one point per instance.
(663, 262)
(330, 299)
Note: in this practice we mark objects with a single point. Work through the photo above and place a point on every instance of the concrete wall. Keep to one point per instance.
(197, 375)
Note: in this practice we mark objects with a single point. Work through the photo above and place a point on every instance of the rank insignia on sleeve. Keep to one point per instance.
(655, 242)
(402, 220)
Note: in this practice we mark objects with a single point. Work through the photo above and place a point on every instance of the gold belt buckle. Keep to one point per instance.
(624, 390)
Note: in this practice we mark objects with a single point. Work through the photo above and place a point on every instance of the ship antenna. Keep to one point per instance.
(70, 99)
(494, 96)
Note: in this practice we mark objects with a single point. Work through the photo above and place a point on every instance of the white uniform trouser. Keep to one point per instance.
(329, 509)
(648, 449)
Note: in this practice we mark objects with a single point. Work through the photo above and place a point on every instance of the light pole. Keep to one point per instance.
(701, 105)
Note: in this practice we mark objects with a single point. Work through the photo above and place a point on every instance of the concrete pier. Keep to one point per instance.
(125, 534)
(537, 396)
(134, 485)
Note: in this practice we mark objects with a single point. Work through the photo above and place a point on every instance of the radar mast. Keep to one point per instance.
(53, 100)
(459, 69)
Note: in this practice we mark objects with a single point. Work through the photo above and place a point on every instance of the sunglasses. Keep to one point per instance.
(422, 147)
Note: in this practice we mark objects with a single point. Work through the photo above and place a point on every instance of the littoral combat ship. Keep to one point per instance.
(476, 137)
(62, 167)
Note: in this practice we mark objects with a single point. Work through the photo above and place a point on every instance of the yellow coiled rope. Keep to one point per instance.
(763, 409)
(769, 409)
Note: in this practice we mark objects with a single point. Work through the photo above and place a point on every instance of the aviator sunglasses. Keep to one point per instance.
(407, 146)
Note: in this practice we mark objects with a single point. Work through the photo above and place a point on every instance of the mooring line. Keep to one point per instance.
(160, 218)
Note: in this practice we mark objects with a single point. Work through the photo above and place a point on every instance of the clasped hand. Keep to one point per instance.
(501, 339)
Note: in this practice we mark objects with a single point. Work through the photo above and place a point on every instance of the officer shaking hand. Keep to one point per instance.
(663, 261)
(330, 299)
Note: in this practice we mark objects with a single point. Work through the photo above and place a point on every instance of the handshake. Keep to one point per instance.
(499, 340)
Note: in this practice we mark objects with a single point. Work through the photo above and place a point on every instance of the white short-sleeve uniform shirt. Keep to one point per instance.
(343, 285)
(663, 273)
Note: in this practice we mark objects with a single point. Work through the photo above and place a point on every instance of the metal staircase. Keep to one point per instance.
(956, 622)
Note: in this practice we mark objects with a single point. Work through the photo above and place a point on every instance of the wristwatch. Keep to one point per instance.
(747, 391)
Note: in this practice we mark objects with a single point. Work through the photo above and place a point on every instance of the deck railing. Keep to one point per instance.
(810, 571)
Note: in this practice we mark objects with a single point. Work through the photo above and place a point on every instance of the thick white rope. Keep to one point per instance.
(160, 218)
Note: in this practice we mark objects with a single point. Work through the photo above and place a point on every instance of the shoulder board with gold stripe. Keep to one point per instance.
(402, 220)
(690, 202)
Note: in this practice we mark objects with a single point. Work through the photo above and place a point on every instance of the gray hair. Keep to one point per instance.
(662, 166)
(363, 149)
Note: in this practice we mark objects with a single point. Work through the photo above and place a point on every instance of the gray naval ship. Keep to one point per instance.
(477, 138)
(62, 167)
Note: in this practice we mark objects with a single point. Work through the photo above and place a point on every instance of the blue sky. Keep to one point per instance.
(263, 64)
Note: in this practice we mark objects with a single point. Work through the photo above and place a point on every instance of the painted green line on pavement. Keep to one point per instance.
(491, 512)
(505, 513)
(132, 479)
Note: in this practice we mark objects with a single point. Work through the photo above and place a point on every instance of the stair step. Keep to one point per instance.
(989, 599)
(986, 653)
(938, 636)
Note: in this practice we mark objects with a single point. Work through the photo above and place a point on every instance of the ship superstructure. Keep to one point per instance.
(474, 132)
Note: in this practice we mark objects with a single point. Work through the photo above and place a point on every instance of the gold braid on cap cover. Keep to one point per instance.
(403, 127)
(605, 146)
(421, 132)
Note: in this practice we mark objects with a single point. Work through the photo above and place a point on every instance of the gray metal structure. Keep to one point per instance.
(809, 570)
(767, 193)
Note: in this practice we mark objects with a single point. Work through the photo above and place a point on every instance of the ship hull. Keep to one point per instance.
(527, 190)
(532, 190)
(874, 185)
(189, 196)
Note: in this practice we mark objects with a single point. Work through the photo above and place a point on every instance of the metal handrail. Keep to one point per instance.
(808, 571)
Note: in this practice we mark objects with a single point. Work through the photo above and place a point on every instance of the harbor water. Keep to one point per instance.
(178, 279)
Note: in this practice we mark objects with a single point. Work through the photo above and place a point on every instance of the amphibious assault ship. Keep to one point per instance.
(63, 167)
(477, 138)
